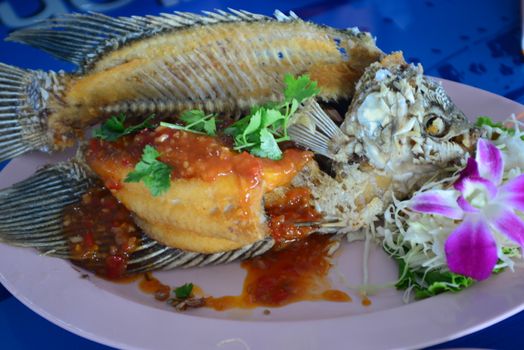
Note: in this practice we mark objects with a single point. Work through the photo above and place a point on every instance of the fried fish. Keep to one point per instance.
(223, 62)
(400, 130)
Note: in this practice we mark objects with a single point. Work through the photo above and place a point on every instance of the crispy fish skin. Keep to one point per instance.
(194, 215)
(220, 62)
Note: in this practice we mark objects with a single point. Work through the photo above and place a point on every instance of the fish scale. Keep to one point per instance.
(221, 62)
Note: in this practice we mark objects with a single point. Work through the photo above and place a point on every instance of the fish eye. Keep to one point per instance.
(436, 126)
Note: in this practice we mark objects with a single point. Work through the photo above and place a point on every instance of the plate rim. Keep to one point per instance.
(255, 334)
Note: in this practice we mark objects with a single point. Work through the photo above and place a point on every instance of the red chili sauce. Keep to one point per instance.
(195, 156)
(294, 207)
(281, 277)
(101, 233)
(103, 236)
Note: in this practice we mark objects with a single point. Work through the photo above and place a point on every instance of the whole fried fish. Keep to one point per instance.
(400, 130)
(222, 62)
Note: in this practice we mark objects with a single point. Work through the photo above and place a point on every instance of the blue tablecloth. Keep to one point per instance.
(476, 42)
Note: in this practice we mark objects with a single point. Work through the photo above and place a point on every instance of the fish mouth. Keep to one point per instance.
(467, 140)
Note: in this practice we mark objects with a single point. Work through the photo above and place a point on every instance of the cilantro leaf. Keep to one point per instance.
(196, 121)
(268, 147)
(210, 127)
(300, 88)
(266, 126)
(114, 128)
(192, 116)
(153, 173)
(271, 117)
(184, 291)
(255, 121)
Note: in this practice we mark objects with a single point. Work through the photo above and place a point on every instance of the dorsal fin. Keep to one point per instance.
(83, 38)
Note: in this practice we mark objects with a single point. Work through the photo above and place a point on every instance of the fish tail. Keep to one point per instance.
(24, 109)
(31, 211)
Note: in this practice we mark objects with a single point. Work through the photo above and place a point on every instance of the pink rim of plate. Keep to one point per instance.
(53, 290)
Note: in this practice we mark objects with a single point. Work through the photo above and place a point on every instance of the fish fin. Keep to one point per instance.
(23, 113)
(313, 129)
(31, 211)
(83, 38)
(282, 17)
(154, 256)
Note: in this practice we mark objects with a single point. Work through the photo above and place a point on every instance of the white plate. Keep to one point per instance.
(121, 316)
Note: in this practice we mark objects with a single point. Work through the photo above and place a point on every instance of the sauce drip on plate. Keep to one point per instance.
(102, 236)
(281, 277)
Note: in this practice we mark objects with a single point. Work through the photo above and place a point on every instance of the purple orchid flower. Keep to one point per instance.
(484, 206)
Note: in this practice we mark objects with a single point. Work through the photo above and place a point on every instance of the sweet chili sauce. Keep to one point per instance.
(296, 269)
(103, 234)
(293, 208)
(192, 156)
(281, 277)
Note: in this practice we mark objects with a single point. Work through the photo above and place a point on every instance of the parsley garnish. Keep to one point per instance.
(184, 291)
(114, 127)
(266, 126)
(197, 122)
(155, 174)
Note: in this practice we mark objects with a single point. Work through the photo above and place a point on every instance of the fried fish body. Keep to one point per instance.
(219, 62)
(215, 199)
(213, 212)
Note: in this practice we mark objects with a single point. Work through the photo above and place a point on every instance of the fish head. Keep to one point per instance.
(402, 123)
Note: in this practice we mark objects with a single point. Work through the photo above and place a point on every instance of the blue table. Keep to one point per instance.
(476, 42)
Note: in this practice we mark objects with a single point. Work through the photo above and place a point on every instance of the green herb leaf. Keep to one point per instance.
(255, 121)
(483, 120)
(266, 126)
(152, 172)
(271, 117)
(197, 122)
(427, 284)
(210, 127)
(184, 291)
(268, 147)
(114, 128)
(192, 116)
(300, 88)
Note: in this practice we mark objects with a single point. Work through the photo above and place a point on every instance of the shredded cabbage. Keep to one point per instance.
(416, 240)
